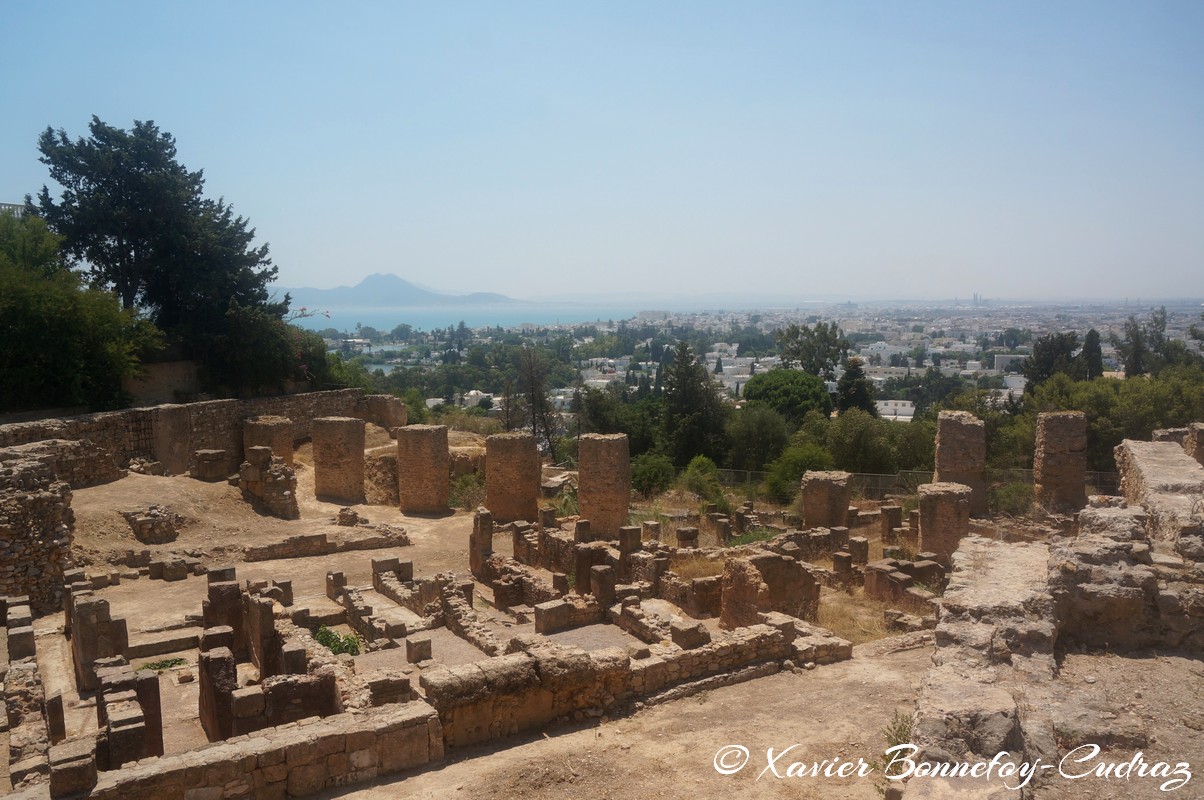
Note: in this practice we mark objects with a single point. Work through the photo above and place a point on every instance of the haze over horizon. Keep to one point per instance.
(542, 151)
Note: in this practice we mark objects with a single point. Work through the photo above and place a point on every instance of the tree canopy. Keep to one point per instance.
(816, 350)
(790, 392)
(140, 223)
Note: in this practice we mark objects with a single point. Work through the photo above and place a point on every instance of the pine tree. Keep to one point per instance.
(853, 390)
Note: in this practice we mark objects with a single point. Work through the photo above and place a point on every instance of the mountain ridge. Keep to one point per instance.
(385, 290)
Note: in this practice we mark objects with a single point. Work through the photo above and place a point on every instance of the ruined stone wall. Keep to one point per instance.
(1169, 484)
(512, 476)
(826, 497)
(302, 759)
(961, 455)
(1060, 462)
(269, 431)
(171, 433)
(764, 583)
(1194, 443)
(604, 482)
(35, 529)
(422, 469)
(944, 518)
(338, 446)
(380, 476)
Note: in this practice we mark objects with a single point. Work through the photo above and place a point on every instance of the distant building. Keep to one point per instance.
(896, 410)
(16, 209)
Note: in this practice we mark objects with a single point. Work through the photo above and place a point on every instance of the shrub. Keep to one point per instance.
(651, 474)
(752, 535)
(349, 644)
(467, 492)
(165, 664)
(1011, 498)
(786, 473)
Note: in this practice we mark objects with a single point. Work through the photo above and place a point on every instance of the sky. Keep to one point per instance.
(659, 149)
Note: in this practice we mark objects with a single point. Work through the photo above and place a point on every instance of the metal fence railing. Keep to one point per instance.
(877, 487)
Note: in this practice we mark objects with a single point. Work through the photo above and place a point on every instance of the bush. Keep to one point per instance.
(1011, 498)
(786, 473)
(651, 474)
(349, 644)
(467, 492)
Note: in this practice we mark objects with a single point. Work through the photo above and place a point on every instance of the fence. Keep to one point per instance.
(877, 487)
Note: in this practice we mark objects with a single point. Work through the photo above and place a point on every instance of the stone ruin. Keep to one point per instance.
(961, 455)
(422, 469)
(268, 481)
(512, 476)
(604, 482)
(339, 459)
(1060, 461)
(471, 655)
(155, 524)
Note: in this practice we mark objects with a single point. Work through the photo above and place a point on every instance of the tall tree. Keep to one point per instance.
(853, 390)
(1052, 354)
(693, 416)
(139, 220)
(816, 350)
(1092, 355)
(789, 392)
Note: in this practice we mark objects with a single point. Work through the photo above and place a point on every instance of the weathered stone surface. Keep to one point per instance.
(422, 469)
(961, 455)
(512, 475)
(1060, 462)
(604, 482)
(338, 448)
(944, 518)
(826, 497)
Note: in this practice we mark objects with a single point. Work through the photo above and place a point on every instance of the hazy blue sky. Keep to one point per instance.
(905, 149)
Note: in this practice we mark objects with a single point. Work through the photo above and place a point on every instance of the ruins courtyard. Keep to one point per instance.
(168, 574)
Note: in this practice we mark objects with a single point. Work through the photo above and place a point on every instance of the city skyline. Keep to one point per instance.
(778, 150)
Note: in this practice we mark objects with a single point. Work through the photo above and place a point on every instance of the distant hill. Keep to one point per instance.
(384, 291)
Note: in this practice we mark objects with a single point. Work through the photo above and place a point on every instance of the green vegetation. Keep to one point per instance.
(161, 666)
(752, 535)
(651, 474)
(467, 492)
(1011, 498)
(61, 343)
(338, 645)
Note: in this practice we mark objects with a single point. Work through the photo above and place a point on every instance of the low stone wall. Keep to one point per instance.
(1162, 477)
(171, 433)
(293, 760)
(321, 544)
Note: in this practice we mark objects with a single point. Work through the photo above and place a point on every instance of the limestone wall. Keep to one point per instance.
(422, 469)
(604, 482)
(269, 431)
(961, 455)
(1060, 462)
(512, 476)
(1170, 484)
(338, 444)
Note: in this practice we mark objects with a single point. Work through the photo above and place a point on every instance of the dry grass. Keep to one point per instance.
(691, 567)
(852, 616)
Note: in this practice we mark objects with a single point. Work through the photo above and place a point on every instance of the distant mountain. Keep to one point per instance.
(384, 291)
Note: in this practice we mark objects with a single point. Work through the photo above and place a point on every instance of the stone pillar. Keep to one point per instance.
(651, 530)
(547, 519)
(480, 543)
(859, 549)
(385, 410)
(604, 482)
(944, 518)
(1060, 463)
(826, 497)
(687, 537)
(218, 678)
(268, 431)
(512, 472)
(423, 466)
(338, 459)
(892, 517)
(961, 455)
(581, 532)
(602, 584)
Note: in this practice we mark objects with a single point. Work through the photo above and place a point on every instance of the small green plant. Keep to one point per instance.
(1015, 499)
(467, 492)
(349, 644)
(165, 664)
(898, 731)
(566, 502)
(752, 535)
(651, 474)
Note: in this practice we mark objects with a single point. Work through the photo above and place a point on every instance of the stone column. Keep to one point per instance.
(423, 466)
(268, 431)
(604, 482)
(944, 518)
(338, 459)
(512, 472)
(961, 455)
(1060, 463)
(826, 497)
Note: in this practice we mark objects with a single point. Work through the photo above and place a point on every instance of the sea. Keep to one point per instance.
(427, 318)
